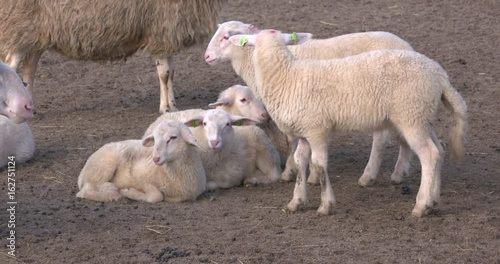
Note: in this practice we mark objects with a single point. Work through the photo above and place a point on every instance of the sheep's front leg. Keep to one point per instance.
(319, 158)
(165, 68)
(302, 154)
(29, 69)
(151, 194)
(380, 139)
(290, 166)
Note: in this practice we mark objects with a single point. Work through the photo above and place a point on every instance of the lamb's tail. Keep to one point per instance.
(453, 101)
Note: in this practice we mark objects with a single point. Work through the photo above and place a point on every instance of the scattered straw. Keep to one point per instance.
(152, 228)
(52, 179)
(328, 23)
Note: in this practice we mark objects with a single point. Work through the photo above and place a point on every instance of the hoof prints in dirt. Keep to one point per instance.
(168, 253)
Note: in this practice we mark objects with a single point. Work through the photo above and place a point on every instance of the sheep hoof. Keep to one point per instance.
(420, 212)
(325, 209)
(396, 179)
(294, 205)
(313, 181)
(366, 181)
(286, 176)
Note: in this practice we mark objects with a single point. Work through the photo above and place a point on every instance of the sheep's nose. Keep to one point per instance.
(214, 143)
(265, 116)
(156, 160)
(30, 108)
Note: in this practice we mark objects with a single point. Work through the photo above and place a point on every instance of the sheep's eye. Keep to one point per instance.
(228, 124)
(225, 37)
(204, 123)
(243, 100)
(25, 84)
(173, 137)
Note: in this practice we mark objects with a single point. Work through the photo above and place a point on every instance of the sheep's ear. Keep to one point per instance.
(194, 122)
(221, 101)
(148, 141)
(243, 121)
(243, 40)
(296, 38)
(189, 138)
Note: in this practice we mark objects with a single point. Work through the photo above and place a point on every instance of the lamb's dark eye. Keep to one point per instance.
(225, 37)
(173, 137)
(243, 100)
(204, 123)
(228, 124)
(25, 84)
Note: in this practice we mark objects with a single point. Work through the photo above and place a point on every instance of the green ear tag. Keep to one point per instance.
(243, 41)
(153, 140)
(196, 123)
(294, 37)
(238, 123)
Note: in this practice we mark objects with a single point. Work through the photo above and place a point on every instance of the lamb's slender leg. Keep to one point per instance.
(380, 139)
(29, 69)
(403, 164)
(319, 157)
(430, 159)
(436, 187)
(151, 194)
(290, 166)
(106, 192)
(165, 68)
(302, 154)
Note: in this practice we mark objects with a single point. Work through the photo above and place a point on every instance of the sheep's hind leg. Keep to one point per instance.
(430, 158)
(165, 68)
(403, 164)
(380, 139)
(319, 157)
(301, 156)
(151, 194)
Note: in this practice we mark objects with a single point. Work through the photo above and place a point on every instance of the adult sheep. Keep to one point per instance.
(219, 49)
(372, 91)
(105, 30)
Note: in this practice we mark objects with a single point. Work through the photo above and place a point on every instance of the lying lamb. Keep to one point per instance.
(372, 91)
(171, 171)
(16, 139)
(219, 49)
(236, 154)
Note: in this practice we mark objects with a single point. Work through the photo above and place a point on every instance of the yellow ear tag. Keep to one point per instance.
(243, 41)
(153, 140)
(294, 37)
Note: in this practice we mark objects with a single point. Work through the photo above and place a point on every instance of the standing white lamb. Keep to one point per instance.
(172, 170)
(16, 139)
(105, 30)
(372, 91)
(219, 49)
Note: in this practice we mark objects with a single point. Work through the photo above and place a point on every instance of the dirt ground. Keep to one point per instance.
(83, 105)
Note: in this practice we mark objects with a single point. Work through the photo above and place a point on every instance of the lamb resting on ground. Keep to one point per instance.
(105, 30)
(16, 139)
(219, 49)
(172, 170)
(235, 154)
(372, 91)
(240, 100)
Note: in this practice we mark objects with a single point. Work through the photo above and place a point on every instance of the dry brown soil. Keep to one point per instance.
(83, 105)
